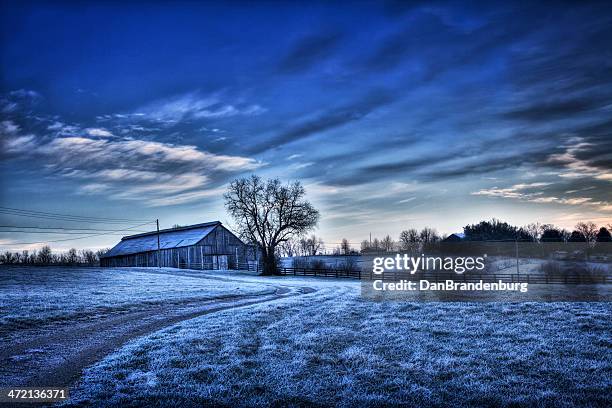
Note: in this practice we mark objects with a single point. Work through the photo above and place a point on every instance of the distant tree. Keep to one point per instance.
(25, 257)
(8, 258)
(175, 226)
(45, 257)
(495, 230)
(289, 248)
(576, 236)
(551, 235)
(89, 257)
(365, 246)
(310, 246)
(72, 257)
(269, 213)
(376, 244)
(409, 239)
(387, 244)
(534, 230)
(345, 247)
(603, 235)
(428, 235)
(588, 229)
(33, 257)
(315, 245)
(17, 257)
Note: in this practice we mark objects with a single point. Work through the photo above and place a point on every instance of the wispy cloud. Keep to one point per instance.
(525, 192)
(196, 106)
(100, 132)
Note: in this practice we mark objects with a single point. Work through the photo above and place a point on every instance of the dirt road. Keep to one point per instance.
(56, 354)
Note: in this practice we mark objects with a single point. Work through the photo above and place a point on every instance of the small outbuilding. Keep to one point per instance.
(453, 238)
(201, 246)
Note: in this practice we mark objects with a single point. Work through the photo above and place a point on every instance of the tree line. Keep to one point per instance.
(45, 256)
(491, 231)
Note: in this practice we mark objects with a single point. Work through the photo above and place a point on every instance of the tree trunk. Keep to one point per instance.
(269, 263)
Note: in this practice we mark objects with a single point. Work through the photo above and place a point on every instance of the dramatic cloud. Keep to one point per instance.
(575, 167)
(155, 173)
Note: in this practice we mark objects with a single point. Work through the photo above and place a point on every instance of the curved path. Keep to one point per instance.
(55, 355)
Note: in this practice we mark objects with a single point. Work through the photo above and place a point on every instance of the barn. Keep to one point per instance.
(201, 246)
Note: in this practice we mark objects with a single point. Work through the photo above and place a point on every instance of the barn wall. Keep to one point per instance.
(220, 249)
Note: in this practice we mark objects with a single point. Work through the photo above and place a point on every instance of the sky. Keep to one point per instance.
(393, 115)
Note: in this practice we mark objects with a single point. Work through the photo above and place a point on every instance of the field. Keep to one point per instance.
(33, 296)
(317, 342)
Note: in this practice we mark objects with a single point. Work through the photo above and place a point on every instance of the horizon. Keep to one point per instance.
(439, 115)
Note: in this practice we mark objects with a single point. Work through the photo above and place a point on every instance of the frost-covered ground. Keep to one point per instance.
(32, 296)
(331, 347)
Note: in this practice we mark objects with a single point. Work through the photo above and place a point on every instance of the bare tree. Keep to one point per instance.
(316, 245)
(588, 229)
(409, 239)
(289, 248)
(365, 245)
(345, 247)
(25, 256)
(429, 235)
(376, 244)
(311, 246)
(45, 257)
(387, 244)
(269, 213)
(8, 258)
(534, 230)
(89, 257)
(72, 257)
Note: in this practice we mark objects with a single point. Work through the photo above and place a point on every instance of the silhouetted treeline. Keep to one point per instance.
(495, 233)
(45, 256)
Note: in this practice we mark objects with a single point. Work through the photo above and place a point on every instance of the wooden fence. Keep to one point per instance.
(441, 277)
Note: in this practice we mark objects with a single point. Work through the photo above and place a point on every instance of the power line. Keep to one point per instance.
(83, 237)
(64, 217)
(110, 232)
(71, 215)
(59, 228)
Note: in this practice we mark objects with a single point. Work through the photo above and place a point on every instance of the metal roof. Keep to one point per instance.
(168, 238)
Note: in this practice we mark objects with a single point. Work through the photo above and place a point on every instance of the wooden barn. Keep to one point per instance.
(201, 246)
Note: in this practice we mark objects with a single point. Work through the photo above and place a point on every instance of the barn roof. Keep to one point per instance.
(168, 238)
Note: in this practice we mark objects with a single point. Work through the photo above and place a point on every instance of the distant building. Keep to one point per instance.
(452, 238)
(201, 246)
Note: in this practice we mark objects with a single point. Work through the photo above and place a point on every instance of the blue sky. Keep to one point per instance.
(392, 114)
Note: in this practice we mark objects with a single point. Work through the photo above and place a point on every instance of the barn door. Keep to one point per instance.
(223, 262)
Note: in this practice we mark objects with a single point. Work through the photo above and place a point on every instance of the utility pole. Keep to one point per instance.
(517, 259)
(158, 250)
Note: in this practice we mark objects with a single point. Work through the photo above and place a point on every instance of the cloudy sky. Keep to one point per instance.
(393, 115)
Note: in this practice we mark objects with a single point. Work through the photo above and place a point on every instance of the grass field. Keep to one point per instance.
(331, 347)
(32, 296)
